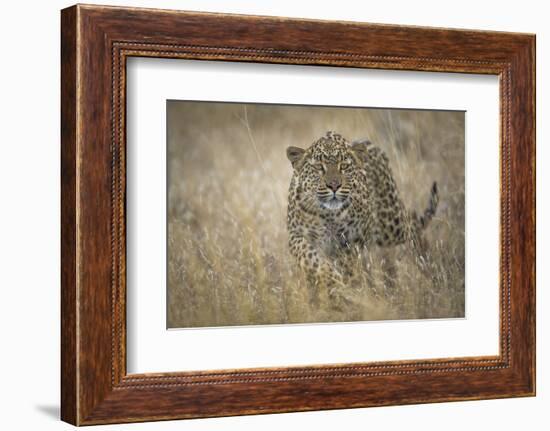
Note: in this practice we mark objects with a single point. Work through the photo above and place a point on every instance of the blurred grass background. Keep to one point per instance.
(228, 177)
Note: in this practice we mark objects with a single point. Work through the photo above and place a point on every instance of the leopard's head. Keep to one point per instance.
(326, 171)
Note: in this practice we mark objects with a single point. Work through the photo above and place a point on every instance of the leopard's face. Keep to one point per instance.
(332, 173)
(326, 172)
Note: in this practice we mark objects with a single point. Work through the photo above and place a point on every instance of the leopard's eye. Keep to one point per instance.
(345, 165)
(319, 166)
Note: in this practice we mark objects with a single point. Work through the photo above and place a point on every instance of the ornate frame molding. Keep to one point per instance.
(96, 41)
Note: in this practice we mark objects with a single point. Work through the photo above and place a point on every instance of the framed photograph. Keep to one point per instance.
(263, 214)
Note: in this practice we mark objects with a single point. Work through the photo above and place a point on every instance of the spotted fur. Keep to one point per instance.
(343, 199)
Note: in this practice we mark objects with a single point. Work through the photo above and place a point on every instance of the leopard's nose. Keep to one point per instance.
(334, 185)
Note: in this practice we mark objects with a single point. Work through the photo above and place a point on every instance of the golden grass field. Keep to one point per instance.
(228, 177)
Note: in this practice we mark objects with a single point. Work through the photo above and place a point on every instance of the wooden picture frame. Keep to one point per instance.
(95, 43)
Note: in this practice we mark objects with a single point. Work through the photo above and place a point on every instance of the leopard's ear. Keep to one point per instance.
(360, 148)
(295, 155)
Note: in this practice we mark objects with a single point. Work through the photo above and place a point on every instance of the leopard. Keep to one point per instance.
(342, 201)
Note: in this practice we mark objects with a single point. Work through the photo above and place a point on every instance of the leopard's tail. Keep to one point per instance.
(429, 212)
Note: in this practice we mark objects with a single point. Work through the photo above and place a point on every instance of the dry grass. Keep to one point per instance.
(228, 176)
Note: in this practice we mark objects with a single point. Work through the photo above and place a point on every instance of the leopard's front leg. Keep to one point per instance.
(323, 279)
